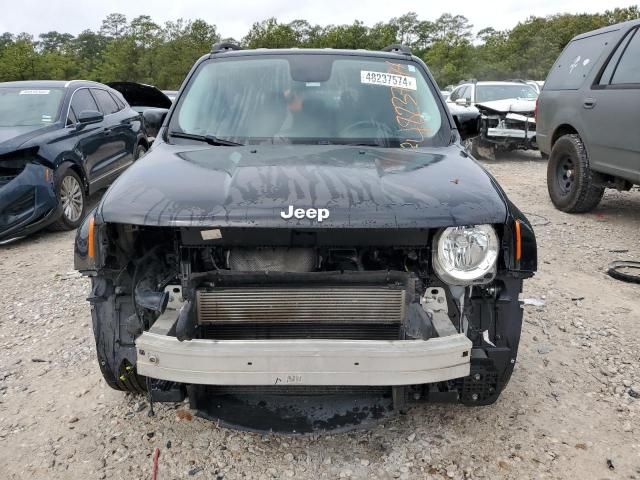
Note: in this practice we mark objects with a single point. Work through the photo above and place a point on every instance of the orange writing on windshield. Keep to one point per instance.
(412, 124)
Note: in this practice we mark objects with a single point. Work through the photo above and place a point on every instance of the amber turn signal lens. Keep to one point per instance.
(518, 241)
(91, 237)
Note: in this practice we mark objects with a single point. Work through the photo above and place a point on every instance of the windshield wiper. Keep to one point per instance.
(210, 139)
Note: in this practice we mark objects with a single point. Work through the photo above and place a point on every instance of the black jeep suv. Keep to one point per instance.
(308, 220)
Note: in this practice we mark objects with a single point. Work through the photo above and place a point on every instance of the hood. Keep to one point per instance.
(516, 105)
(361, 187)
(141, 95)
(11, 138)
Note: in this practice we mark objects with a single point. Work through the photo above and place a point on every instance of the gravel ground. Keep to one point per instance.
(572, 409)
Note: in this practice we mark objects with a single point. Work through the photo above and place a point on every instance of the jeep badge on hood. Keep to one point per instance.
(310, 213)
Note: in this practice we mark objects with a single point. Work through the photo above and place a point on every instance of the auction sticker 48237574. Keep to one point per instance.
(387, 80)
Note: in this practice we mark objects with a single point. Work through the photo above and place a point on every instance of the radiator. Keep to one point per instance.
(313, 304)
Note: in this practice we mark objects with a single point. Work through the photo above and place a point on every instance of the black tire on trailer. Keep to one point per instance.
(572, 185)
(71, 193)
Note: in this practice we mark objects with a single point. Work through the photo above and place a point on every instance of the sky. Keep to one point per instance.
(234, 18)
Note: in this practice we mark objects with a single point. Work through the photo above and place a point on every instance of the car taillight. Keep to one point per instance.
(535, 110)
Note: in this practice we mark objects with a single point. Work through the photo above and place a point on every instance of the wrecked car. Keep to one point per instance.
(308, 222)
(59, 142)
(508, 115)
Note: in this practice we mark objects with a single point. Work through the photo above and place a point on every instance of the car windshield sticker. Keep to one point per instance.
(213, 234)
(34, 92)
(388, 80)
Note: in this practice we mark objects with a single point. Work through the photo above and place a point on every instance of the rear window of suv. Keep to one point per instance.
(576, 62)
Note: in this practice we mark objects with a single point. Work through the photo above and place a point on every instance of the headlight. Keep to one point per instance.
(466, 255)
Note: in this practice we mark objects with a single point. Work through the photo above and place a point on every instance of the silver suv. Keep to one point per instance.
(588, 116)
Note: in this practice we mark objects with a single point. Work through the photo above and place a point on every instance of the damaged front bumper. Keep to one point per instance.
(303, 362)
(508, 131)
(28, 200)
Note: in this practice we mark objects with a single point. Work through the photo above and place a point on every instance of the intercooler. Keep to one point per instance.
(353, 312)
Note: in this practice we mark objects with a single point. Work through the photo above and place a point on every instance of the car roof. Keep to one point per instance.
(609, 28)
(311, 51)
(501, 83)
(52, 83)
(491, 83)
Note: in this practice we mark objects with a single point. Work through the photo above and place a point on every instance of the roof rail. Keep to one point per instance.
(224, 47)
(397, 48)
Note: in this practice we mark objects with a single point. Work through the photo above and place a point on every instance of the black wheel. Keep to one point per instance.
(573, 186)
(72, 196)
(140, 151)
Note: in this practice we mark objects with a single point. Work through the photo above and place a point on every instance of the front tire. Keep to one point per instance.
(72, 197)
(573, 186)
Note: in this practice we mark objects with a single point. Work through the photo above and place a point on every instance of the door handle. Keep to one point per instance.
(589, 103)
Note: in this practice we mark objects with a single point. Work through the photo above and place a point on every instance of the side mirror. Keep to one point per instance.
(467, 122)
(152, 119)
(461, 102)
(87, 117)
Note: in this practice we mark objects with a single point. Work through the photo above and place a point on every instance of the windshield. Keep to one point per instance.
(312, 99)
(489, 93)
(22, 107)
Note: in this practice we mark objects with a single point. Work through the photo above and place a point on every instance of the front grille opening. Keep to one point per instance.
(18, 210)
(301, 330)
(7, 174)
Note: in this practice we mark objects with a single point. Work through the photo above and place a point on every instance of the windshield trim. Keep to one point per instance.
(446, 117)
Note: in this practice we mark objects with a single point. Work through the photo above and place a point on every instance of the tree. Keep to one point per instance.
(55, 42)
(114, 26)
(142, 50)
(270, 34)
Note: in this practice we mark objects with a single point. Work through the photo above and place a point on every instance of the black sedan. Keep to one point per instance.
(60, 142)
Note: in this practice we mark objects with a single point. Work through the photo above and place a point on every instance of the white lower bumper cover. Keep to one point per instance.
(303, 362)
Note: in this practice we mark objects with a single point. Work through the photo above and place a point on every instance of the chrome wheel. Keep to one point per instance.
(71, 199)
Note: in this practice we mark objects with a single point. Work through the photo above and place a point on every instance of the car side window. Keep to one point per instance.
(119, 102)
(107, 104)
(628, 69)
(82, 100)
(467, 93)
(605, 78)
(576, 61)
(71, 118)
(455, 94)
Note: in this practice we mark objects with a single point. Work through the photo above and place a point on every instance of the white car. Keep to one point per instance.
(507, 121)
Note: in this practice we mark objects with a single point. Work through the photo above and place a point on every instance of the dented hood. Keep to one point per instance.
(12, 138)
(516, 105)
(362, 187)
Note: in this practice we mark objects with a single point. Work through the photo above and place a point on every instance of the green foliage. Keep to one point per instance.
(144, 51)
